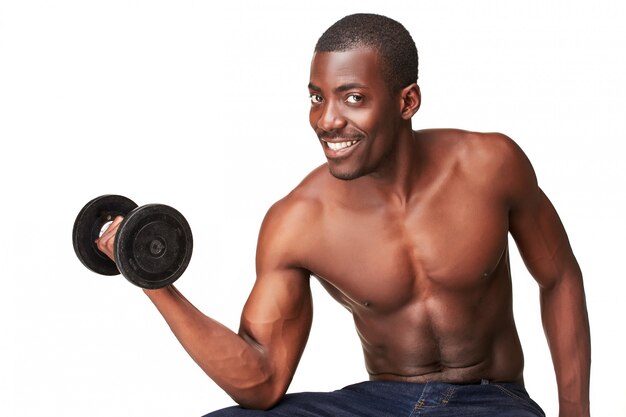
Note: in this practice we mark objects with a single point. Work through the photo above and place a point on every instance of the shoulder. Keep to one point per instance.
(507, 168)
(491, 159)
(291, 221)
(302, 202)
(473, 147)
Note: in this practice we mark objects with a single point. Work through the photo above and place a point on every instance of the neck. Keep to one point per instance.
(396, 177)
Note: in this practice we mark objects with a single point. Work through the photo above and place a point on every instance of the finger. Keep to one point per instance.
(106, 242)
(111, 230)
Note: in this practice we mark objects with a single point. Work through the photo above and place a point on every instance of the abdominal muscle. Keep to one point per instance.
(454, 337)
(417, 354)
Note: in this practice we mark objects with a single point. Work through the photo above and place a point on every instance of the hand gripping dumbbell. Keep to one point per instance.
(152, 246)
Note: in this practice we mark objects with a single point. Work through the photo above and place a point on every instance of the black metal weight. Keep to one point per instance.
(88, 227)
(153, 244)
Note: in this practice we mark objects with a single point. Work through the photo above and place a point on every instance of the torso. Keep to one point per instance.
(427, 279)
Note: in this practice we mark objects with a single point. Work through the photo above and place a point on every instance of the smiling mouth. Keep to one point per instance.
(335, 146)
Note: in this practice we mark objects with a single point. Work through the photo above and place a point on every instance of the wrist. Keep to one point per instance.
(573, 409)
(158, 292)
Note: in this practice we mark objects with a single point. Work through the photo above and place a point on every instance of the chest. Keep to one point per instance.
(387, 257)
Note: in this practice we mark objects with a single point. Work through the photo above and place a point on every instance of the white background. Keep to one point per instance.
(204, 106)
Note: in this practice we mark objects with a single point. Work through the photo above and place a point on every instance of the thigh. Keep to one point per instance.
(518, 399)
(493, 400)
(375, 399)
(396, 399)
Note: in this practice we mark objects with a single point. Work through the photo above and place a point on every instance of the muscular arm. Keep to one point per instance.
(545, 249)
(254, 366)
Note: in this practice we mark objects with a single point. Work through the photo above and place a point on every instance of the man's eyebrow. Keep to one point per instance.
(340, 89)
(314, 88)
(349, 86)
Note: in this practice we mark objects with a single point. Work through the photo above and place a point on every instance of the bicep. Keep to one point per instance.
(533, 220)
(535, 224)
(541, 239)
(278, 314)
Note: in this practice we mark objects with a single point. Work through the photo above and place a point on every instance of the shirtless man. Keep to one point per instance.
(408, 231)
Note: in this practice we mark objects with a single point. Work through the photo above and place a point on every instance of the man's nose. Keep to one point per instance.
(331, 119)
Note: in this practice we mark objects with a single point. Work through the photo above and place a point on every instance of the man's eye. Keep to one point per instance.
(316, 98)
(354, 98)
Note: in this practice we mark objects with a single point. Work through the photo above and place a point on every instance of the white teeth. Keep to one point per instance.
(340, 145)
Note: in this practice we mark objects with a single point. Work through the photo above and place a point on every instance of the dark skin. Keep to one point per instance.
(407, 230)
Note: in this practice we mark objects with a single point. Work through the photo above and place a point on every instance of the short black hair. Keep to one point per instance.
(388, 37)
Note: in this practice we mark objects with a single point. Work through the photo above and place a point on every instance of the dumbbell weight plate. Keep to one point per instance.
(88, 226)
(153, 246)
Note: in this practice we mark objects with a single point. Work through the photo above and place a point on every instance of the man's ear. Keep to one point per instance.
(411, 100)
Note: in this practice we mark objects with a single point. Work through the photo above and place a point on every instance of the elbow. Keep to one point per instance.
(270, 401)
(569, 278)
(260, 400)
(263, 404)
(261, 397)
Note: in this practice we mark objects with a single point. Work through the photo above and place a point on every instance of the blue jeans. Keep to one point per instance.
(403, 399)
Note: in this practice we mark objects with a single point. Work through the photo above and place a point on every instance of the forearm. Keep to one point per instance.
(237, 365)
(566, 325)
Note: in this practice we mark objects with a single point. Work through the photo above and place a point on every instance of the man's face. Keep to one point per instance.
(352, 111)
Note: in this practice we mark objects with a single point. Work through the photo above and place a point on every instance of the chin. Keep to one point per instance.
(344, 174)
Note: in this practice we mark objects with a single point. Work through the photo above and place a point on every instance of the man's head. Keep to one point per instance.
(399, 60)
(363, 95)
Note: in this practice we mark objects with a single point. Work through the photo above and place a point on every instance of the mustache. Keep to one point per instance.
(340, 135)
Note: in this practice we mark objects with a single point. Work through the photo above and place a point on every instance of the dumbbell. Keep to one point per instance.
(153, 244)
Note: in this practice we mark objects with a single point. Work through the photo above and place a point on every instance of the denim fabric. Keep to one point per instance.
(403, 399)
